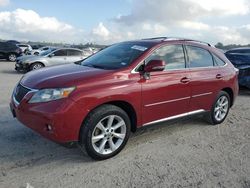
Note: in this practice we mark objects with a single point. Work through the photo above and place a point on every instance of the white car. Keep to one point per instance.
(24, 47)
(40, 50)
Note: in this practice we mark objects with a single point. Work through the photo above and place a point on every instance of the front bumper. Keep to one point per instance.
(63, 116)
(20, 67)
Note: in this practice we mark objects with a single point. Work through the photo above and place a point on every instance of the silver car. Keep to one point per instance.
(50, 57)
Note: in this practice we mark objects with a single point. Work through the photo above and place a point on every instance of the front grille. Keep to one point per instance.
(20, 92)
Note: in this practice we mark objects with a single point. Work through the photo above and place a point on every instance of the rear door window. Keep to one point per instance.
(74, 53)
(60, 53)
(199, 57)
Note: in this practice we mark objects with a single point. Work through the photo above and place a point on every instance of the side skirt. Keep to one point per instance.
(175, 117)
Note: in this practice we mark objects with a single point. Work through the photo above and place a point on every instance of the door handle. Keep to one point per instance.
(219, 76)
(185, 80)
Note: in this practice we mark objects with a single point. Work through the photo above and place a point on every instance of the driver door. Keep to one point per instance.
(58, 57)
(166, 93)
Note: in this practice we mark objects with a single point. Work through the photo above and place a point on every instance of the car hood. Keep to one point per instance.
(29, 58)
(61, 76)
(24, 57)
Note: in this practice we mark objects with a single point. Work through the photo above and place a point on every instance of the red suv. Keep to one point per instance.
(100, 100)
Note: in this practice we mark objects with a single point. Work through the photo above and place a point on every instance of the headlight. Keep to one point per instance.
(46, 95)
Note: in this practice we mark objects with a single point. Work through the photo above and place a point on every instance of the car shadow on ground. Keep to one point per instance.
(21, 147)
(11, 72)
(244, 91)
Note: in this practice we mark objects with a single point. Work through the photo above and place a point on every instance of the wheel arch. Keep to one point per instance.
(129, 109)
(37, 62)
(124, 105)
(230, 92)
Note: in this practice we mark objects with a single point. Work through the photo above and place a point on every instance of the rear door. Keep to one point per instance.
(205, 78)
(74, 55)
(166, 93)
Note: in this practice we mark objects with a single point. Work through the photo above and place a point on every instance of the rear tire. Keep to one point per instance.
(105, 132)
(12, 57)
(36, 66)
(220, 109)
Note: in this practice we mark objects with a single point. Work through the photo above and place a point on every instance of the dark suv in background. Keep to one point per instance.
(240, 57)
(9, 51)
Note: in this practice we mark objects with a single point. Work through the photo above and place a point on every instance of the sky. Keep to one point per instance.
(110, 21)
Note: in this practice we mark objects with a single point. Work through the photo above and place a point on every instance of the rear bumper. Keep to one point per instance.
(62, 116)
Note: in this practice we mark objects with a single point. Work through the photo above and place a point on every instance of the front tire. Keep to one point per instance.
(36, 66)
(105, 132)
(220, 109)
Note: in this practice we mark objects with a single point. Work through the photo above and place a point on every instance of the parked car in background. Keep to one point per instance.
(240, 57)
(50, 57)
(98, 102)
(13, 41)
(9, 51)
(41, 50)
(26, 48)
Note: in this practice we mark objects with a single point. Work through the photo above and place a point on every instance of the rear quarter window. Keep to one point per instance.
(218, 62)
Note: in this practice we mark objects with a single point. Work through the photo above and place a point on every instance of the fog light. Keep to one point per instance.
(49, 127)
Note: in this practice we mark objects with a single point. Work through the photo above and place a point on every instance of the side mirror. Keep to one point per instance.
(51, 55)
(155, 66)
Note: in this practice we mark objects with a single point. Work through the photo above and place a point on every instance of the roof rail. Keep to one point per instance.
(176, 38)
(156, 38)
(187, 40)
(198, 41)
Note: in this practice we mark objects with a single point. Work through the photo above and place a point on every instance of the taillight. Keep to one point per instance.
(236, 70)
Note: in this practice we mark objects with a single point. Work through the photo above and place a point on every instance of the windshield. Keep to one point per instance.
(116, 56)
(47, 52)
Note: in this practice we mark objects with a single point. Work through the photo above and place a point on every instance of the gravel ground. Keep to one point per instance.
(183, 153)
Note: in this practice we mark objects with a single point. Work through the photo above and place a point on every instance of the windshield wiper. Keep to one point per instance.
(94, 66)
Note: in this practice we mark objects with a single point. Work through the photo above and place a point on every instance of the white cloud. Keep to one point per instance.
(4, 2)
(194, 25)
(187, 18)
(28, 25)
(101, 31)
(207, 20)
(169, 11)
(226, 7)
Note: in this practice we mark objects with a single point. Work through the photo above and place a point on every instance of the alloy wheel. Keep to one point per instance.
(12, 57)
(221, 108)
(37, 66)
(109, 134)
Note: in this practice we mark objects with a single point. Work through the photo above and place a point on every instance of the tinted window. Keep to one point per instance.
(244, 51)
(21, 45)
(60, 53)
(74, 53)
(239, 51)
(173, 56)
(218, 61)
(199, 57)
(45, 48)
